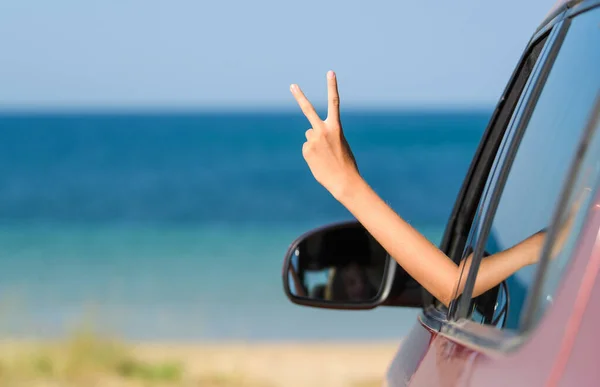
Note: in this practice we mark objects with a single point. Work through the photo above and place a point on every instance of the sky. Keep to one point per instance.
(203, 54)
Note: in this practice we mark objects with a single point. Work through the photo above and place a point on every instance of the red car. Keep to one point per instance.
(537, 168)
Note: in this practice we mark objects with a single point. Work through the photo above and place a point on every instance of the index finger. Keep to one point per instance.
(305, 105)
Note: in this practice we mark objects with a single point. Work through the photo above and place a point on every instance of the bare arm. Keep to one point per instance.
(498, 267)
(332, 164)
(430, 266)
(418, 256)
(495, 268)
(422, 260)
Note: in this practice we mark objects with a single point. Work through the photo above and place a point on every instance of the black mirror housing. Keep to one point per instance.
(341, 266)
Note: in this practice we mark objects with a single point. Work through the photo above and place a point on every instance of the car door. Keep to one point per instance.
(512, 190)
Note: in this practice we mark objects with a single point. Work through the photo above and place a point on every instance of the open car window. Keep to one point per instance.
(465, 209)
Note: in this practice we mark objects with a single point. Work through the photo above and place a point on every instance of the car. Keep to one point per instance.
(537, 167)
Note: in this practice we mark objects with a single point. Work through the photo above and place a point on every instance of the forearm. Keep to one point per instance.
(497, 267)
(424, 261)
(418, 256)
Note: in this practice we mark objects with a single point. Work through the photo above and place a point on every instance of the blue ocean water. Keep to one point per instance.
(174, 226)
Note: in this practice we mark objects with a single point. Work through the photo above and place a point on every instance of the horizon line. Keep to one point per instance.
(262, 109)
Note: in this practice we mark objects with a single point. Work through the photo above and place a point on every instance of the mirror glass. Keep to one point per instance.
(342, 263)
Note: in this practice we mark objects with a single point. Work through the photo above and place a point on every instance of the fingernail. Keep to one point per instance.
(330, 74)
(293, 87)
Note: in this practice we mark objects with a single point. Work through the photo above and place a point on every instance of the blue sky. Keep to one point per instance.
(244, 54)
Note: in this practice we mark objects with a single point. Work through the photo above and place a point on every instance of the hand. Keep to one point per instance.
(326, 150)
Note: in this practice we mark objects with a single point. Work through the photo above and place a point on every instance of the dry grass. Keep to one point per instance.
(86, 359)
(89, 360)
(226, 380)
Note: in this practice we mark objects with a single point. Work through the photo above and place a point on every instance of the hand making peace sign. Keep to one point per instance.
(326, 150)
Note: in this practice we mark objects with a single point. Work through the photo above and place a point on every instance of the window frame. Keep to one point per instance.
(490, 183)
(486, 338)
(513, 136)
(466, 206)
(435, 316)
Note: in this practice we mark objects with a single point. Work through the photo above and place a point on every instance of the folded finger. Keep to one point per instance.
(308, 134)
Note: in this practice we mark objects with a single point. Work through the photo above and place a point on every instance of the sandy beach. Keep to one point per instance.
(85, 362)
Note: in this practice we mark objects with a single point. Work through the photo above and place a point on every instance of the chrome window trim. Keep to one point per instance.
(488, 339)
(567, 10)
(559, 16)
(433, 318)
(581, 7)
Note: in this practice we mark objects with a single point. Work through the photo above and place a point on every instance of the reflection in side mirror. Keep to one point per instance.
(341, 266)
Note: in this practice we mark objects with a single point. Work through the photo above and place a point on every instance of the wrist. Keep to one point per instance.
(538, 245)
(351, 187)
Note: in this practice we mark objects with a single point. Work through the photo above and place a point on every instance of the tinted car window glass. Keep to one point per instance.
(572, 218)
(546, 151)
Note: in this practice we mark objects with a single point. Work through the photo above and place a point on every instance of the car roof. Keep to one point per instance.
(558, 7)
(558, 4)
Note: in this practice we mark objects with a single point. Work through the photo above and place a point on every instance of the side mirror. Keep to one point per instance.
(342, 266)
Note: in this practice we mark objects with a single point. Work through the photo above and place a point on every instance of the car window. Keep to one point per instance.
(528, 74)
(538, 171)
(493, 139)
(579, 195)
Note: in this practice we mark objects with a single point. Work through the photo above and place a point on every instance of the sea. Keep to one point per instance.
(174, 225)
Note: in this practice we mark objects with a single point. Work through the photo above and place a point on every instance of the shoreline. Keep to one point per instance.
(238, 363)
